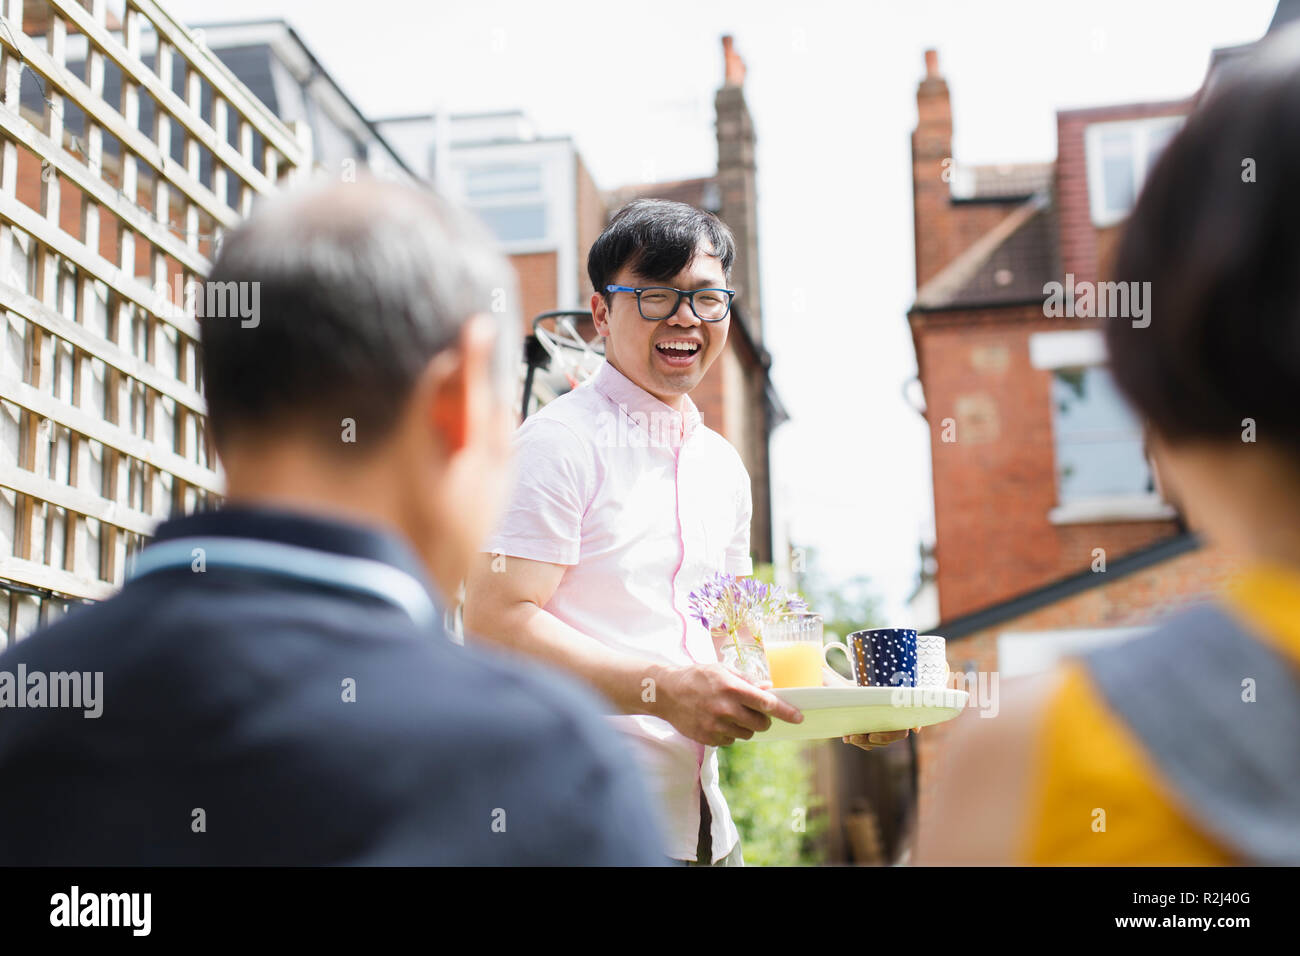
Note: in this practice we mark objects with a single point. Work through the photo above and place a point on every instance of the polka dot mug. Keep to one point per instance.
(881, 656)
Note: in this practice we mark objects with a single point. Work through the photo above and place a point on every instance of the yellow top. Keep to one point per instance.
(1098, 797)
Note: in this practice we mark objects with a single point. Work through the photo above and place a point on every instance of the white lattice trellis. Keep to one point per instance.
(101, 414)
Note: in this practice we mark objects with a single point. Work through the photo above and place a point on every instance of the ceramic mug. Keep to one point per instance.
(931, 661)
(880, 656)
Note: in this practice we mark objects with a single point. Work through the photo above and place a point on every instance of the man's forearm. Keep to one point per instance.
(630, 683)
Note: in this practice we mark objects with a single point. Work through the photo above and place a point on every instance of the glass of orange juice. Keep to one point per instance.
(793, 643)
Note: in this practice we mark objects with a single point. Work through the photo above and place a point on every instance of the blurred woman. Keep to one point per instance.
(1182, 747)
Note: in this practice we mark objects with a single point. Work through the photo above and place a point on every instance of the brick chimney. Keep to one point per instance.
(736, 185)
(931, 145)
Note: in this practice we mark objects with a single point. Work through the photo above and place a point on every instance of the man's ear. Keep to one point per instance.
(600, 313)
(458, 383)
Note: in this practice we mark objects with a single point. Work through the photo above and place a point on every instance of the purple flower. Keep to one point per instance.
(727, 601)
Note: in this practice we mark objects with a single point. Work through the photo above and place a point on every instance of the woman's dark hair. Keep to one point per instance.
(1216, 233)
(658, 238)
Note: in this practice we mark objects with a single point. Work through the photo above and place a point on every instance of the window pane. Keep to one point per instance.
(1119, 189)
(513, 223)
(490, 181)
(1098, 440)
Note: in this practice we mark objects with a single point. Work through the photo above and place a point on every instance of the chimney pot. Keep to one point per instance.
(734, 66)
(932, 63)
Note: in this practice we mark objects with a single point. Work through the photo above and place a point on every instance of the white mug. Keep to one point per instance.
(931, 661)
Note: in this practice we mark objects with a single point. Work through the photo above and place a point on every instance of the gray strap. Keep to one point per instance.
(1234, 763)
(345, 572)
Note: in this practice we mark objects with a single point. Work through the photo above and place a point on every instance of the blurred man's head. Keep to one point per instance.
(1216, 373)
(377, 378)
(654, 242)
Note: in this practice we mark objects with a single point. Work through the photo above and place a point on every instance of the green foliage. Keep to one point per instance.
(769, 787)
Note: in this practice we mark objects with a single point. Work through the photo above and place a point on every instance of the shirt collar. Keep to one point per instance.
(333, 535)
(629, 396)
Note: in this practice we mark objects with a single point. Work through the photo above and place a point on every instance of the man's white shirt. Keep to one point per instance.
(642, 503)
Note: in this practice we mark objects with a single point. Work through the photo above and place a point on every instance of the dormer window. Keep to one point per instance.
(1120, 155)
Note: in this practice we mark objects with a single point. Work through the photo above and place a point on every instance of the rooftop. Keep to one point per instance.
(1008, 264)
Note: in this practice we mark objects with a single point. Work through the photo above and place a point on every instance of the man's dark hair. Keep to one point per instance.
(658, 238)
(359, 286)
(1216, 235)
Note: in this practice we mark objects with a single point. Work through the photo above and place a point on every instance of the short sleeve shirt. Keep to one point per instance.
(642, 503)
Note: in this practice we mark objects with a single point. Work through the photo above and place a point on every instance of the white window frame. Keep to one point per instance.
(1141, 129)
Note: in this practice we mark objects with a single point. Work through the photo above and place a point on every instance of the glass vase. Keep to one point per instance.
(743, 652)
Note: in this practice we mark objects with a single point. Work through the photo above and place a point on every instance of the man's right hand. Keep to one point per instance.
(713, 705)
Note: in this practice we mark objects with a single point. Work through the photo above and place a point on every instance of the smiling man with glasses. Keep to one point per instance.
(609, 529)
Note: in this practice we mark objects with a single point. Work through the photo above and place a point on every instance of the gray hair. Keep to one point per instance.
(357, 287)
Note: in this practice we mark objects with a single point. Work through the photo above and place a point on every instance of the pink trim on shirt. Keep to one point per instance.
(681, 542)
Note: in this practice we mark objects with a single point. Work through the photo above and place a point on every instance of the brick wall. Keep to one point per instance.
(707, 396)
(592, 217)
(996, 483)
(731, 402)
(753, 421)
(1140, 598)
(737, 184)
(538, 282)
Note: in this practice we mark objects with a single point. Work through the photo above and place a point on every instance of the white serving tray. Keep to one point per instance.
(838, 711)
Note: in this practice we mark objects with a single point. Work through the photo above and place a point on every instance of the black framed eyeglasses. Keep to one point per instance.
(658, 302)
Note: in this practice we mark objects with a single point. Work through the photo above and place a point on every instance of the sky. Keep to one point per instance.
(831, 86)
